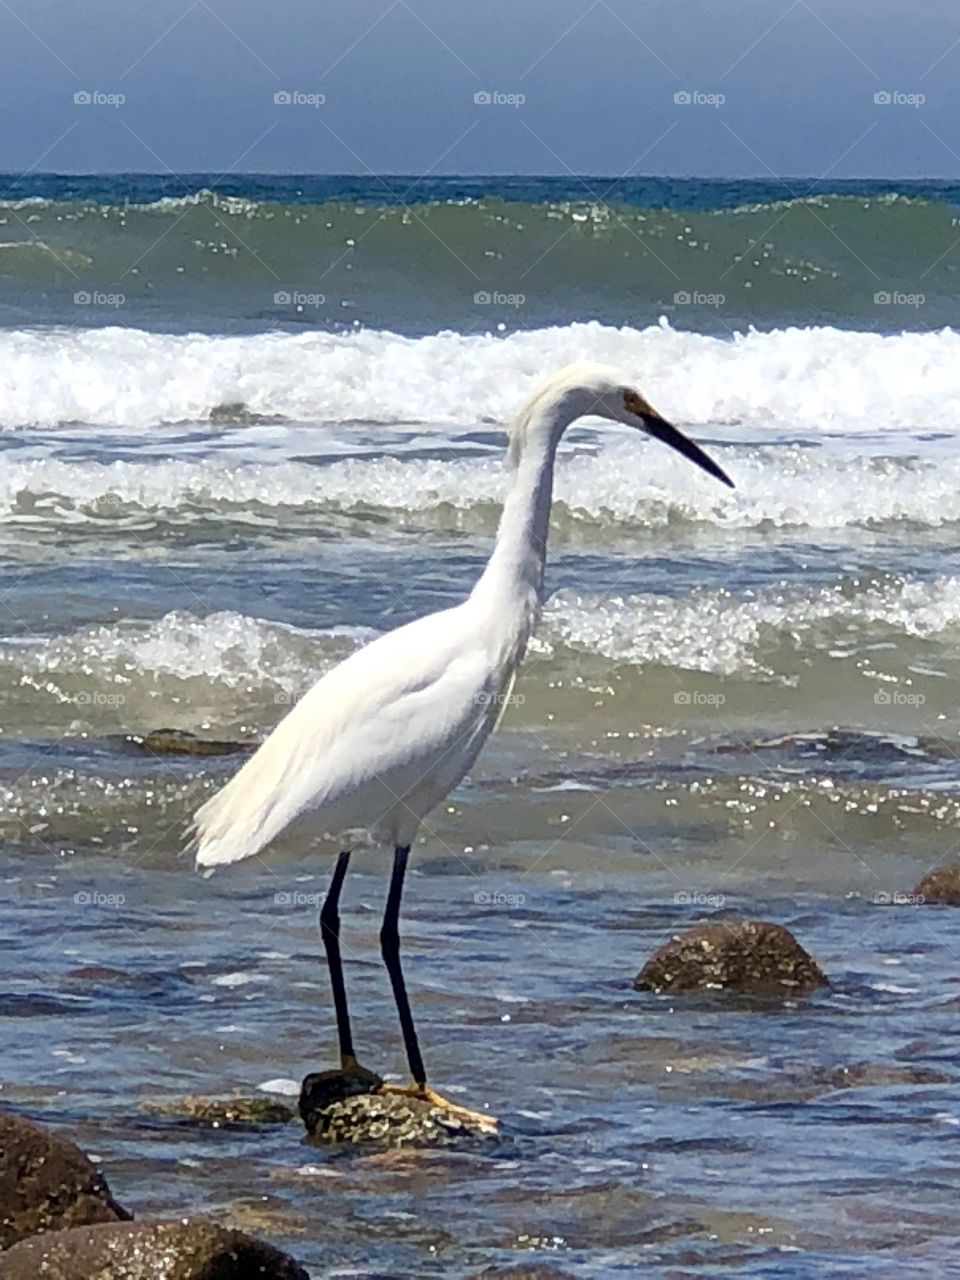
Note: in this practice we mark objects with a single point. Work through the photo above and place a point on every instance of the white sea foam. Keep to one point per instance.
(627, 481)
(812, 379)
(723, 634)
(710, 631)
(227, 648)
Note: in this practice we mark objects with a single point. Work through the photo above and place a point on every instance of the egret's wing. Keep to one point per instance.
(382, 719)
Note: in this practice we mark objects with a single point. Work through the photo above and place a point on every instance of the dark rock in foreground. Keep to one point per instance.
(942, 885)
(338, 1108)
(748, 956)
(197, 1250)
(47, 1184)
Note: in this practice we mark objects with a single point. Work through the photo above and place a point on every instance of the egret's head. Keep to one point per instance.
(589, 390)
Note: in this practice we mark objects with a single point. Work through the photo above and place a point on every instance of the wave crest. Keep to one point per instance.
(815, 380)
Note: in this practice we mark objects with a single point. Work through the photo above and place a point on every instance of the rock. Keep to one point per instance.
(793, 1083)
(528, 1271)
(190, 1250)
(942, 885)
(338, 1108)
(180, 742)
(97, 973)
(221, 1113)
(749, 956)
(321, 1089)
(47, 1183)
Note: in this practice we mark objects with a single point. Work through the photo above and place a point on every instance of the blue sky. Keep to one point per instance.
(777, 86)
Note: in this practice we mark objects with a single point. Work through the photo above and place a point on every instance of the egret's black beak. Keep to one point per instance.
(660, 429)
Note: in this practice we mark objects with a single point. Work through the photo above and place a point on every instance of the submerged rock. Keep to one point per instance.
(338, 1108)
(180, 742)
(527, 1271)
(47, 1183)
(197, 1250)
(801, 1082)
(98, 973)
(220, 1113)
(748, 956)
(942, 885)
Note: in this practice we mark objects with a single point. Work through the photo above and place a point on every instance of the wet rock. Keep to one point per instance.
(321, 1089)
(942, 885)
(835, 742)
(530, 1271)
(338, 1108)
(221, 1113)
(47, 1183)
(236, 411)
(748, 956)
(98, 973)
(33, 1004)
(871, 1075)
(197, 1250)
(792, 1083)
(180, 742)
(149, 982)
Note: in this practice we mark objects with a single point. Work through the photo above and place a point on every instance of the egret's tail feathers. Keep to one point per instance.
(230, 826)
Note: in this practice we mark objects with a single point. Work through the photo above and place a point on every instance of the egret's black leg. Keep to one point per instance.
(321, 1089)
(390, 949)
(330, 932)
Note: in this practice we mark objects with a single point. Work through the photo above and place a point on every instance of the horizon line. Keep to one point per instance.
(453, 177)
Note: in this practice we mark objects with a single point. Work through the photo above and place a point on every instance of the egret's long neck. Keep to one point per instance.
(511, 587)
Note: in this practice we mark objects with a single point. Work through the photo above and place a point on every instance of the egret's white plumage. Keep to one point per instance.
(381, 739)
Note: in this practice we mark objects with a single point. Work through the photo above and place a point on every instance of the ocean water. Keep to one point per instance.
(246, 425)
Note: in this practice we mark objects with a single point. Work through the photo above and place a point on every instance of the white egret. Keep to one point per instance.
(384, 736)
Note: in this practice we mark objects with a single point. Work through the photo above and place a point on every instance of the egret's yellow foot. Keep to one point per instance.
(475, 1119)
